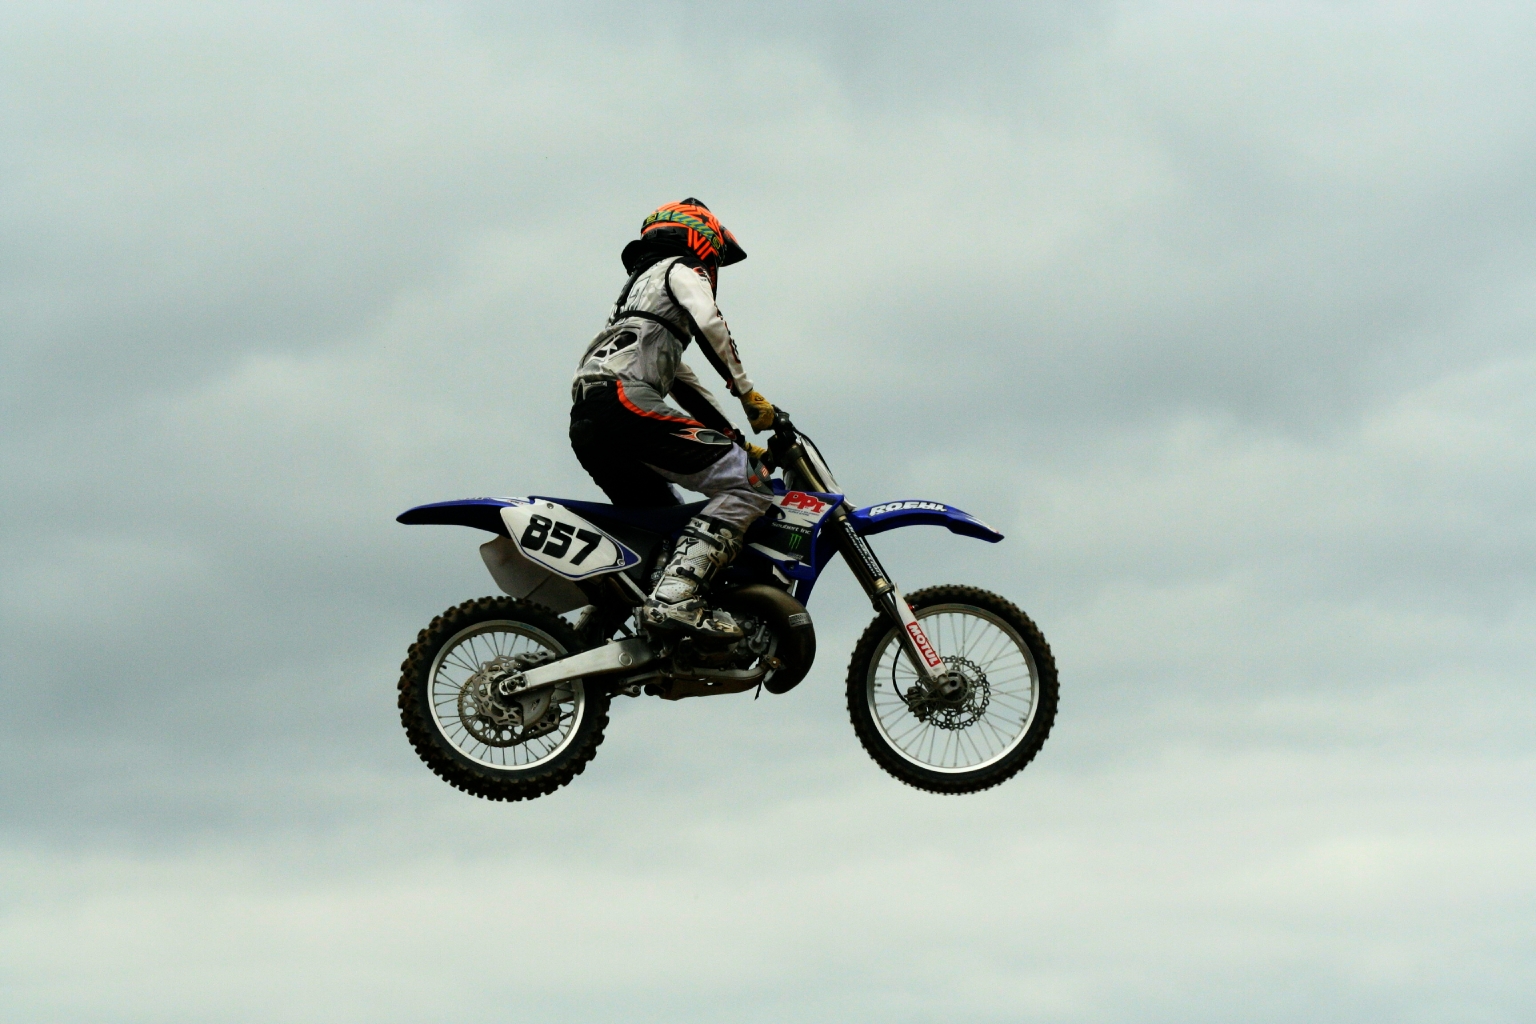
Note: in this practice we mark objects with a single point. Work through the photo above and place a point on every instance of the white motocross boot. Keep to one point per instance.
(677, 604)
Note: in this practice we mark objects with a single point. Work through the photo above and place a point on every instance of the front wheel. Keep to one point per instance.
(461, 710)
(988, 720)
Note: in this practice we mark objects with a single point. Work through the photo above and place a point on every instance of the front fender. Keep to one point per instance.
(889, 515)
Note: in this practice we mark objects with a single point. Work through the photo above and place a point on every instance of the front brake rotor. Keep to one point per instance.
(962, 700)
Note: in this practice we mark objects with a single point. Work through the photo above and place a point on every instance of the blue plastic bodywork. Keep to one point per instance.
(480, 513)
(485, 514)
(890, 515)
(664, 521)
(822, 549)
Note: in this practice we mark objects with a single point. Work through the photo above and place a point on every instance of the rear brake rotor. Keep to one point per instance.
(494, 713)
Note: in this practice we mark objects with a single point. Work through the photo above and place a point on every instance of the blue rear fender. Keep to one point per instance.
(891, 515)
(479, 513)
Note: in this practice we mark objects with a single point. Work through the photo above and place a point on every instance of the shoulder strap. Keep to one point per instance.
(624, 295)
(620, 313)
(645, 314)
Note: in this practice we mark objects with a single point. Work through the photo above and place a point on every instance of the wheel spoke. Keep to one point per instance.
(988, 705)
(462, 659)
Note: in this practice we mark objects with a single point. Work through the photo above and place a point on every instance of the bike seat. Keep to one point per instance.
(662, 521)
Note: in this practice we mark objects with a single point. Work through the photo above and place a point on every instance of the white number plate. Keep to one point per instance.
(562, 542)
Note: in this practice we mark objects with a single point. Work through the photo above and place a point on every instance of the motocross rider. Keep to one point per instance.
(636, 446)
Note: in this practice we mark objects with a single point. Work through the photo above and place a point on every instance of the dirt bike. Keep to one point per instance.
(951, 689)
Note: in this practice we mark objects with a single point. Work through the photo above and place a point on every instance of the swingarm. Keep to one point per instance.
(628, 656)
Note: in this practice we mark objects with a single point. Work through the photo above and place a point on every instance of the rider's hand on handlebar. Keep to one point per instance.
(759, 410)
(757, 454)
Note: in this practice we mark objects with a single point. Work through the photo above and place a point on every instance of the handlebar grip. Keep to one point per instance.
(781, 422)
(783, 437)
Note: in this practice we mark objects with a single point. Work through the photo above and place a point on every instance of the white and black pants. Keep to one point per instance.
(636, 447)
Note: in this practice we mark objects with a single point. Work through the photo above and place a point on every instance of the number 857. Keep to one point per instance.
(554, 539)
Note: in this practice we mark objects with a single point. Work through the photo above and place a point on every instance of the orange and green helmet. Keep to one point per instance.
(697, 230)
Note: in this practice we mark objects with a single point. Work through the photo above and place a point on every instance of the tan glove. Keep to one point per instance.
(759, 410)
(755, 453)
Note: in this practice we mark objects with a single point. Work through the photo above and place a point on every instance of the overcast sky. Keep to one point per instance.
(1221, 312)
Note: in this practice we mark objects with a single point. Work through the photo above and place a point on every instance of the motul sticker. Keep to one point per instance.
(923, 646)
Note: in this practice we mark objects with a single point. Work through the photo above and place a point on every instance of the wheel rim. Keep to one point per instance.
(997, 692)
(479, 729)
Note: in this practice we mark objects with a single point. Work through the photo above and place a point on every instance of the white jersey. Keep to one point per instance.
(660, 310)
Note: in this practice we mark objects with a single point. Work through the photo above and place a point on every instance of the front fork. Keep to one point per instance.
(790, 451)
(887, 599)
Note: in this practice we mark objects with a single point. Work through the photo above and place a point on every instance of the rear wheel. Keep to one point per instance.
(991, 715)
(461, 710)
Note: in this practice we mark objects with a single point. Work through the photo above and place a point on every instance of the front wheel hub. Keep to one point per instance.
(957, 700)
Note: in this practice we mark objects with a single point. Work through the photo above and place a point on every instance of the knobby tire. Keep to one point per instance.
(952, 782)
(442, 757)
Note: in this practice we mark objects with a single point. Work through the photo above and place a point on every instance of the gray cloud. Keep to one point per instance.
(1224, 317)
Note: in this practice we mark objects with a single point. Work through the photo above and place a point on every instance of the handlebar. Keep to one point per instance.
(792, 450)
(784, 435)
(782, 426)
